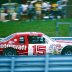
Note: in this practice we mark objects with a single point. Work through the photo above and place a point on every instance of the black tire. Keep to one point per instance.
(9, 52)
(67, 51)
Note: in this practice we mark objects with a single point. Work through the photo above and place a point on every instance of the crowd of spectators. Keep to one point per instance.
(35, 10)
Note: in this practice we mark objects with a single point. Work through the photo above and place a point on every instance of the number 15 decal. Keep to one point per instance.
(39, 50)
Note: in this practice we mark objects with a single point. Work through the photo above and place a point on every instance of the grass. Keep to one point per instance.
(47, 27)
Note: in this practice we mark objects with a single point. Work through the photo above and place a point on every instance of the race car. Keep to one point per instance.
(33, 43)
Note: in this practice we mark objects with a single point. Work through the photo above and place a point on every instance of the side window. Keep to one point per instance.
(41, 40)
(22, 40)
(36, 40)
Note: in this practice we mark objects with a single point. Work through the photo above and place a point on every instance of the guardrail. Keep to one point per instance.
(45, 63)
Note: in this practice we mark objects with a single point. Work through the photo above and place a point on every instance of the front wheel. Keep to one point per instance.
(9, 52)
(67, 51)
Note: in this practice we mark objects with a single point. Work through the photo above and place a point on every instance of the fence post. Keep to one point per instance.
(12, 64)
(47, 63)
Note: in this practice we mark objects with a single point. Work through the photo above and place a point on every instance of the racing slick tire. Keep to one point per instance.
(67, 51)
(9, 52)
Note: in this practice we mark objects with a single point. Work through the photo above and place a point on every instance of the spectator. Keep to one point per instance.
(20, 11)
(3, 15)
(24, 7)
(38, 9)
(60, 11)
(14, 15)
(31, 11)
(59, 2)
(54, 10)
(45, 9)
(64, 2)
(61, 6)
(23, 10)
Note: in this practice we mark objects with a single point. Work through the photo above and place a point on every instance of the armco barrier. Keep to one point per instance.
(45, 63)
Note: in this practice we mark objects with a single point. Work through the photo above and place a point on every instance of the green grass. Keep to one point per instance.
(47, 27)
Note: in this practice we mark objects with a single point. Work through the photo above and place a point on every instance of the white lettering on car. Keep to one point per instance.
(20, 47)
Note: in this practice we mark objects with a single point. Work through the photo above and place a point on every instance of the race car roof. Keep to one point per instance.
(30, 33)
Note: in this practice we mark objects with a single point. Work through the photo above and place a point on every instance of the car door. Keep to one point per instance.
(21, 45)
(37, 45)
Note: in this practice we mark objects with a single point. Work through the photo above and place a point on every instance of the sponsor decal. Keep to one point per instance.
(55, 47)
(52, 46)
(20, 47)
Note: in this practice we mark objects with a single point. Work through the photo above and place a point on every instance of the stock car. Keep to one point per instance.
(33, 43)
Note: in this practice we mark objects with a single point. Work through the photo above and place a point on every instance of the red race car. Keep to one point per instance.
(33, 43)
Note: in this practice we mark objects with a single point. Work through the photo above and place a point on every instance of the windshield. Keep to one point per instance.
(7, 38)
(49, 38)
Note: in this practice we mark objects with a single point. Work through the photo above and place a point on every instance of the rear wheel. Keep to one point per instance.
(67, 50)
(9, 52)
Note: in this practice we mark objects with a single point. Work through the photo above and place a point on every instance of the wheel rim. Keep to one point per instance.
(9, 54)
(68, 53)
